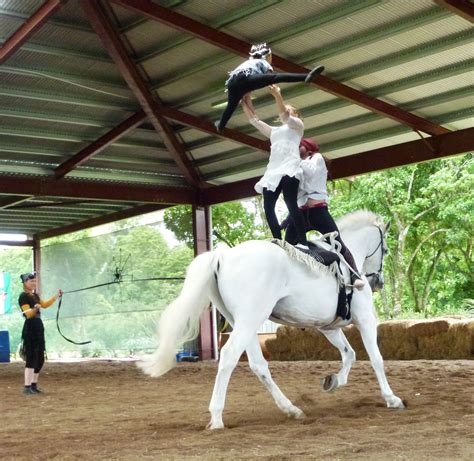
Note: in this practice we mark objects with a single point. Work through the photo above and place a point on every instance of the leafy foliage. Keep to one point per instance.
(232, 222)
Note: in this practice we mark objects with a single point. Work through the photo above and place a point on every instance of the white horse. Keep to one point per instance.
(257, 280)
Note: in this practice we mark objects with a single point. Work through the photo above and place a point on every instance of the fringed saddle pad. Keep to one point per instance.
(314, 261)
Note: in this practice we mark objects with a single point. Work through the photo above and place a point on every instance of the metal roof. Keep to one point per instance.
(107, 107)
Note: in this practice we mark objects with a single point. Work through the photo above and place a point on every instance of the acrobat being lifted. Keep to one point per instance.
(254, 73)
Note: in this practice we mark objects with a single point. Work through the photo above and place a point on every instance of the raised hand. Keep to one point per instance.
(274, 90)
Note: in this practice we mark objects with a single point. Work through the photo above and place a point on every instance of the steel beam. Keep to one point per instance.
(436, 147)
(100, 220)
(235, 45)
(99, 145)
(6, 202)
(203, 125)
(93, 190)
(150, 104)
(14, 243)
(34, 23)
(463, 8)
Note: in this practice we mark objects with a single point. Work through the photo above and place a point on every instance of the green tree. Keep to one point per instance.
(430, 244)
(232, 222)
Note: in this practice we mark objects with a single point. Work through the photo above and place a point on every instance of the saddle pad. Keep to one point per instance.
(316, 265)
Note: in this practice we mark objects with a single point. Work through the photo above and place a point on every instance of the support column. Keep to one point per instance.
(37, 260)
(202, 243)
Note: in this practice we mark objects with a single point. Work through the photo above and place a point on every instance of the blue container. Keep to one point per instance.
(4, 346)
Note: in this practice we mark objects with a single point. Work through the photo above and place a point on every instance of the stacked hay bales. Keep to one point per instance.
(398, 340)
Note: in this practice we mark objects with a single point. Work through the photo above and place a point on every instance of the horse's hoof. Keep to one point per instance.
(329, 383)
(299, 414)
(395, 402)
(213, 426)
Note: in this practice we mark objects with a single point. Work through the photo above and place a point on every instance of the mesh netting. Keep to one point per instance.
(120, 317)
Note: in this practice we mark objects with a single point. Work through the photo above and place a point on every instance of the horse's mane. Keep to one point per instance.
(358, 219)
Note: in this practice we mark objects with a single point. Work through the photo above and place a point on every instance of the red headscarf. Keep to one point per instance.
(310, 145)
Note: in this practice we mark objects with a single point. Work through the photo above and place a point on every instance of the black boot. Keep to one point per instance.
(34, 388)
(316, 71)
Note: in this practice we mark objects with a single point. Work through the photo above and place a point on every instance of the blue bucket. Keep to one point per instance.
(4, 346)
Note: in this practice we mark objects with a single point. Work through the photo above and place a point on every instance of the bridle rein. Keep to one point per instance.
(380, 245)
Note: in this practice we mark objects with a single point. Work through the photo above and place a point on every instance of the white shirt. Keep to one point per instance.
(315, 175)
(284, 154)
(251, 67)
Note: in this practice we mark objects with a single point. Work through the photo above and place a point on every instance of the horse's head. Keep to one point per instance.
(373, 264)
(365, 232)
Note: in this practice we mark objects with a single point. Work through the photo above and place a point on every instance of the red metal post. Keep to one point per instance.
(202, 243)
(37, 260)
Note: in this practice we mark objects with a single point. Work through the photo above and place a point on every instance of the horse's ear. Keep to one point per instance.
(387, 226)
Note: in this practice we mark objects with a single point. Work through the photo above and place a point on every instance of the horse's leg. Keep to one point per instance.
(367, 325)
(338, 339)
(229, 357)
(259, 366)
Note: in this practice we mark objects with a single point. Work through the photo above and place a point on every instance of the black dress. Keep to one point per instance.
(33, 334)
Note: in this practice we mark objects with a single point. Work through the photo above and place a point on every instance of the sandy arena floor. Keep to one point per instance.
(110, 410)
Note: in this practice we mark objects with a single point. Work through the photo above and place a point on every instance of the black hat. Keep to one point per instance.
(28, 276)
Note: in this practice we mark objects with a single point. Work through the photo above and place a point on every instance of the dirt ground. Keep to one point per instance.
(110, 410)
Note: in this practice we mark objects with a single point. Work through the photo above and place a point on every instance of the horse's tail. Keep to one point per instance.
(179, 322)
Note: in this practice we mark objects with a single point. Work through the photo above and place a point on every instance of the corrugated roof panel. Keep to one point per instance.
(208, 11)
(165, 65)
(90, 74)
(127, 176)
(40, 110)
(261, 26)
(9, 26)
(150, 35)
(85, 40)
(397, 72)
(25, 6)
(383, 142)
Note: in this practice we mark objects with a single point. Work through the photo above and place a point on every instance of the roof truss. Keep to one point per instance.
(463, 8)
(31, 25)
(226, 41)
(366, 162)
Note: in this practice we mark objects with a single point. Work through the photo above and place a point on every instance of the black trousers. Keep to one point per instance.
(289, 186)
(241, 84)
(319, 219)
(34, 344)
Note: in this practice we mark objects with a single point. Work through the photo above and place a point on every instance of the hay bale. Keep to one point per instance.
(449, 338)
(429, 327)
(446, 338)
(395, 342)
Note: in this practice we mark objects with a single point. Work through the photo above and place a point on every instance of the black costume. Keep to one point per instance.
(242, 83)
(318, 218)
(33, 333)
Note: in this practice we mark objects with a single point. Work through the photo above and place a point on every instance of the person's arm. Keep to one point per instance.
(276, 93)
(264, 128)
(29, 312)
(294, 123)
(50, 301)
